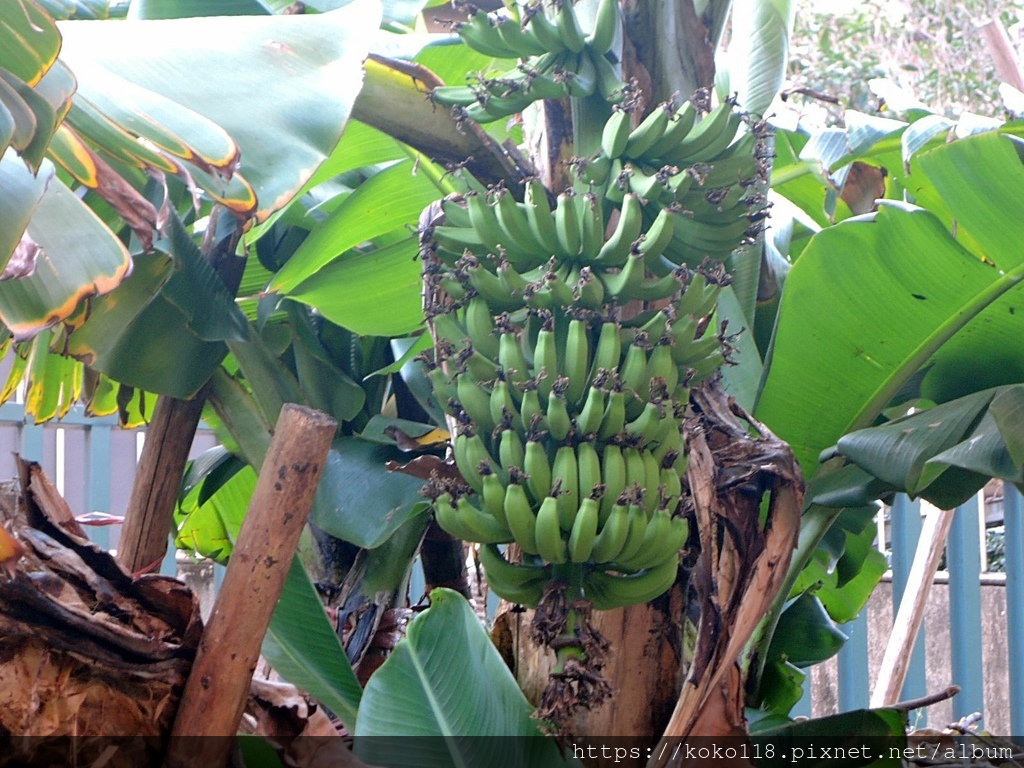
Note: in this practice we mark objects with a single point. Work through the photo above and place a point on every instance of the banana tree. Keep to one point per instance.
(331, 235)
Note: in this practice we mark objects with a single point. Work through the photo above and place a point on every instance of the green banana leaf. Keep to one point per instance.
(759, 51)
(874, 300)
(391, 199)
(303, 647)
(174, 297)
(358, 499)
(285, 108)
(79, 256)
(947, 453)
(20, 192)
(865, 736)
(806, 635)
(446, 679)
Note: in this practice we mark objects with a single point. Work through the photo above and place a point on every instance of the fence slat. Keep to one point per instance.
(32, 442)
(853, 665)
(97, 491)
(1013, 518)
(906, 531)
(963, 560)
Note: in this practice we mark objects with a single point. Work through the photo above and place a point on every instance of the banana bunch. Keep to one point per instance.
(570, 439)
(703, 169)
(541, 256)
(557, 59)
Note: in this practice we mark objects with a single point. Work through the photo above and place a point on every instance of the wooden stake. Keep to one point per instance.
(217, 687)
(893, 671)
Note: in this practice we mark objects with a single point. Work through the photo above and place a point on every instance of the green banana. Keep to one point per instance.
(589, 419)
(650, 424)
(457, 239)
(530, 410)
(489, 286)
(519, 515)
(559, 423)
(485, 221)
(454, 95)
(607, 352)
(569, 31)
(607, 591)
(583, 76)
(512, 35)
(523, 584)
(576, 360)
(591, 219)
(704, 134)
(650, 130)
(633, 372)
(548, 535)
(565, 477)
(615, 133)
(510, 449)
(589, 290)
(588, 467)
(538, 215)
(623, 286)
(475, 401)
(466, 522)
(659, 234)
(648, 186)
(584, 531)
(470, 452)
(614, 420)
(637, 533)
(511, 360)
(616, 249)
(609, 83)
(538, 468)
(606, 26)
(481, 35)
(613, 475)
(480, 367)
(543, 29)
(673, 485)
(660, 364)
(545, 359)
(502, 404)
(480, 327)
(652, 473)
(636, 472)
(493, 495)
(567, 225)
(677, 130)
(612, 537)
(516, 227)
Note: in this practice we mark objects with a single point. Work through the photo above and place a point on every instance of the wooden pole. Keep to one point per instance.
(1003, 53)
(218, 684)
(896, 659)
(147, 523)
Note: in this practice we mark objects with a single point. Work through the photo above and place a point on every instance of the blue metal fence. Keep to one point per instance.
(91, 460)
(963, 661)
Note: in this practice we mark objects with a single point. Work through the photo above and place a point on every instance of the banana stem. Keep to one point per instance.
(815, 524)
(589, 114)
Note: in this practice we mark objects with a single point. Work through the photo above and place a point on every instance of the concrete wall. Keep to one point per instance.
(824, 677)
